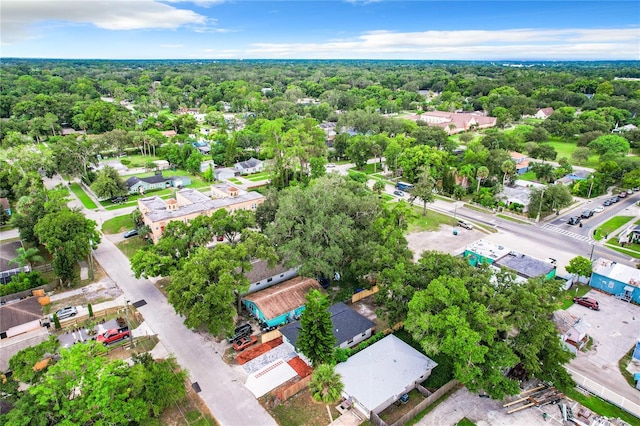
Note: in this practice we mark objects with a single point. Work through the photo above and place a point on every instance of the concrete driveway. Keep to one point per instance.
(614, 329)
(486, 412)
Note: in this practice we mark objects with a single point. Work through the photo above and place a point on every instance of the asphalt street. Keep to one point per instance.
(222, 390)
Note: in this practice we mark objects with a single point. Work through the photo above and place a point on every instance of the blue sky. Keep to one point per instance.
(336, 29)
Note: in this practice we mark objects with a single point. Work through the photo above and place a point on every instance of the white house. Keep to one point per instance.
(252, 165)
(379, 375)
(573, 330)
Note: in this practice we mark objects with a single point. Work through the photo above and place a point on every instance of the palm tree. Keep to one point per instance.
(508, 167)
(26, 257)
(481, 174)
(326, 385)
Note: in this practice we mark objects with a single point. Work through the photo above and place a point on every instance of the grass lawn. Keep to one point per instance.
(430, 222)
(565, 149)
(600, 406)
(131, 246)
(386, 197)
(258, 177)
(118, 224)
(611, 225)
(465, 422)
(617, 247)
(447, 199)
(82, 196)
(236, 181)
(529, 176)
(368, 169)
(300, 409)
(566, 297)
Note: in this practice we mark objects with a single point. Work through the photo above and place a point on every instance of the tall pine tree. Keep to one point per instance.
(316, 340)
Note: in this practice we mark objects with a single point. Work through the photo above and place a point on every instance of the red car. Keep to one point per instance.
(588, 302)
(244, 342)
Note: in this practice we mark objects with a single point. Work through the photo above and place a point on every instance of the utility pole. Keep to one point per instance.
(540, 206)
(590, 187)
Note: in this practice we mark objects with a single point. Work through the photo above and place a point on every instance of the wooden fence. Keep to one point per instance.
(287, 393)
(269, 336)
(430, 399)
(75, 321)
(364, 293)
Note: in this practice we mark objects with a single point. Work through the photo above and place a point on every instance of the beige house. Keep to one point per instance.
(456, 122)
(189, 203)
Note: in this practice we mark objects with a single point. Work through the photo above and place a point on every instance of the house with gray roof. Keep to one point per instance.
(379, 375)
(349, 327)
(262, 276)
(527, 266)
(157, 181)
(252, 165)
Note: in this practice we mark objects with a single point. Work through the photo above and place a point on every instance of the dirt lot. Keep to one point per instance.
(442, 240)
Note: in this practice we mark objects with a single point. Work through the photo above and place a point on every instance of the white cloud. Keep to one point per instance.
(468, 44)
(202, 3)
(19, 17)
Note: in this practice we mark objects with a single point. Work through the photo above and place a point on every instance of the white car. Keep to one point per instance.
(598, 209)
(68, 312)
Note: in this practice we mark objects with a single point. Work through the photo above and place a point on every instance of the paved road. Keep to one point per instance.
(222, 390)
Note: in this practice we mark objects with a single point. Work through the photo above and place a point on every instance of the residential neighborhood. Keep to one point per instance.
(330, 252)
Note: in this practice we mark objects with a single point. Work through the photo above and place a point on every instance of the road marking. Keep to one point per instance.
(569, 234)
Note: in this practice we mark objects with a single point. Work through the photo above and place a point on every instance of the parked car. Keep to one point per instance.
(587, 214)
(607, 203)
(118, 200)
(588, 302)
(131, 233)
(219, 237)
(398, 193)
(464, 224)
(598, 209)
(574, 220)
(623, 194)
(636, 188)
(244, 342)
(614, 199)
(64, 313)
(331, 165)
(241, 331)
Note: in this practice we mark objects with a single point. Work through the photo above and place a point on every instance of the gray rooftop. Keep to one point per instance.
(524, 265)
(260, 270)
(347, 324)
(383, 371)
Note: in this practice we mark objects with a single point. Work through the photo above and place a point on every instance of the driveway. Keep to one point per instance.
(486, 412)
(222, 390)
(614, 329)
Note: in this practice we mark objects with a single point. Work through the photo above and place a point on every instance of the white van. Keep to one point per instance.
(464, 224)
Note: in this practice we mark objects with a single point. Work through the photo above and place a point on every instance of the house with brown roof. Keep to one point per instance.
(189, 203)
(521, 160)
(457, 122)
(281, 303)
(543, 113)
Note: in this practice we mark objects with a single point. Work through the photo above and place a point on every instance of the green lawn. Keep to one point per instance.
(118, 224)
(368, 169)
(131, 246)
(82, 196)
(600, 406)
(577, 290)
(529, 176)
(565, 149)
(611, 225)
(465, 422)
(236, 181)
(430, 222)
(513, 219)
(258, 177)
(617, 247)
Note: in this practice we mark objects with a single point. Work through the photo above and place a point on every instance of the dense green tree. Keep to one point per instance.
(30, 209)
(69, 237)
(204, 289)
(108, 184)
(545, 200)
(581, 155)
(423, 190)
(26, 257)
(326, 385)
(315, 339)
(610, 143)
(580, 266)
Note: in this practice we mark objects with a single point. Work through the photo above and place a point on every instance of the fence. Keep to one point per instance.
(287, 393)
(269, 336)
(604, 393)
(364, 293)
(430, 399)
(75, 321)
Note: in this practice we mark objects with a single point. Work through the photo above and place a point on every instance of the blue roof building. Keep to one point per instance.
(620, 280)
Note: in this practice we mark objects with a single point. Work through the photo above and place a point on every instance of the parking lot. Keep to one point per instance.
(442, 240)
(615, 329)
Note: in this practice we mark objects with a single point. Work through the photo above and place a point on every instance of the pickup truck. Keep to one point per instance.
(113, 335)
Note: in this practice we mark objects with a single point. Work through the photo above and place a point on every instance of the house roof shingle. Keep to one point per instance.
(284, 297)
(347, 324)
(525, 265)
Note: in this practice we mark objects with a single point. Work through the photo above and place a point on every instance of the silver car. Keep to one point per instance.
(68, 312)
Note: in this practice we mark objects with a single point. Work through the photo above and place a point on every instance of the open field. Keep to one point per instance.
(609, 226)
(117, 224)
